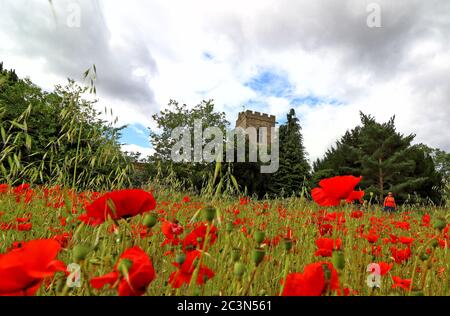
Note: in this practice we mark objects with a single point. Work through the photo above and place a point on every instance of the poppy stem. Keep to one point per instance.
(285, 273)
(247, 291)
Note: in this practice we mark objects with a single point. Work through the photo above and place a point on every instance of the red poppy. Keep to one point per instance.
(184, 273)
(426, 219)
(23, 269)
(171, 230)
(356, 214)
(400, 255)
(406, 240)
(196, 238)
(24, 227)
(326, 246)
(401, 283)
(186, 199)
(140, 275)
(384, 268)
(313, 281)
(333, 190)
(4, 188)
(372, 237)
(325, 229)
(244, 201)
(126, 203)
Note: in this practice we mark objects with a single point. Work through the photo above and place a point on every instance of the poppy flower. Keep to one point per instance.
(326, 246)
(171, 231)
(372, 237)
(139, 276)
(244, 201)
(313, 281)
(186, 199)
(185, 271)
(125, 204)
(406, 240)
(24, 227)
(4, 188)
(384, 268)
(196, 238)
(23, 269)
(333, 190)
(426, 219)
(401, 283)
(400, 255)
(356, 214)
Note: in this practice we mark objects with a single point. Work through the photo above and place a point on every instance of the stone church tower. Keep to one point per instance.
(255, 119)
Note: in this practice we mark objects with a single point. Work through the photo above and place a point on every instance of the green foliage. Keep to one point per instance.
(294, 171)
(192, 175)
(386, 160)
(57, 138)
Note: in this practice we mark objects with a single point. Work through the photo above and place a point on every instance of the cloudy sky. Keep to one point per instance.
(319, 57)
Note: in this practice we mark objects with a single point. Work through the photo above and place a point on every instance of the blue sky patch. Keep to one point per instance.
(270, 83)
(208, 56)
(136, 134)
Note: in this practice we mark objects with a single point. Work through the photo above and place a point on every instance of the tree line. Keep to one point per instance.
(387, 160)
(58, 137)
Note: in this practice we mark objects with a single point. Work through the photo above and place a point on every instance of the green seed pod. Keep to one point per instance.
(180, 258)
(150, 220)
(434, 243)
(209, 213)
(440, 224)
(259, 236)
(258, 256)
(197, 292)
(287, 243)
(239, 269)
(236, 254)
(80, 253)
(338, 260)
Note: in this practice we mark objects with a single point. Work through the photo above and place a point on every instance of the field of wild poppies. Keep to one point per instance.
(155, 242)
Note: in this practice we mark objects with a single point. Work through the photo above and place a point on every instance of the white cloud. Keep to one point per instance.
(145, 152)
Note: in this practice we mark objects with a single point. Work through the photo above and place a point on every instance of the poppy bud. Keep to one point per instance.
(260, 236)
(440, 224)
(236, 254)
(338, 260)
(80, 253)
(287, 244)
(180, 258)
(150, 220)
(258, 256)
(125, 265)
(197, 292)
(434, 243)
(424, 257)
(239, 269)
(210, 213)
